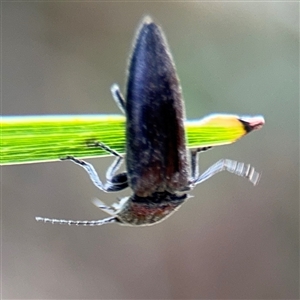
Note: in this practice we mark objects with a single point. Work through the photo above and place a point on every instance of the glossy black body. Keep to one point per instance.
(156, 155)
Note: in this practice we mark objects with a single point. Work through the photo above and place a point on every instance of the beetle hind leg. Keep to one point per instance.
(118, 97)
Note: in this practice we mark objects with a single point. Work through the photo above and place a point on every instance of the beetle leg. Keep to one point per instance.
(232, 166)
(118, 97)
(195, 162)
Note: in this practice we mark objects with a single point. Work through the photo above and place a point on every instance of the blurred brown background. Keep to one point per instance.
(232, 240)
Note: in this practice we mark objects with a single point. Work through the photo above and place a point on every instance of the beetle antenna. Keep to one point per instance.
(78, 223)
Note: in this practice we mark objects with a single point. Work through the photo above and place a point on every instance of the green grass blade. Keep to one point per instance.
(32, 139)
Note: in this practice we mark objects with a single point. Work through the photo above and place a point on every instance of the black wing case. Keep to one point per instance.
(156, 151)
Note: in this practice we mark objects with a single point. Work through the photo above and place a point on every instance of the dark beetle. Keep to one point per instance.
(156, 155)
